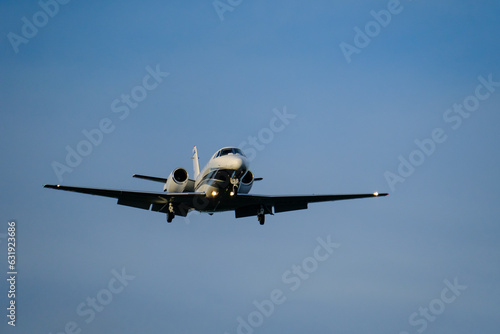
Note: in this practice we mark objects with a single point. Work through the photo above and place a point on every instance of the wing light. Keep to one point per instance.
(375, 193)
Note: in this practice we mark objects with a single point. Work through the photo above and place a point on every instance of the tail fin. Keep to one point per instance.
(196, 163)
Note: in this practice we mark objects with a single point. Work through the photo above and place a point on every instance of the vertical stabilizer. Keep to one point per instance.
(196, 163)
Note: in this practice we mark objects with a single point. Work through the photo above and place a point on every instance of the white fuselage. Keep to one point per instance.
(223, 173)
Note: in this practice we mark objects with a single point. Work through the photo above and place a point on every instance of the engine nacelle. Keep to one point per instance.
(246, 183)
(177, 181)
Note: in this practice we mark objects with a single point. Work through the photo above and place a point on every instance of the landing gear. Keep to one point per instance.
(236, 183)
(261, 216)
(170, 213)
(234, 191)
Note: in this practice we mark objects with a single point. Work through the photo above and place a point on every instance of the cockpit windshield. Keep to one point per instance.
(229, 150)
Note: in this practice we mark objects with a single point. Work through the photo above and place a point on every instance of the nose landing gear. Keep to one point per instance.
(236, 183)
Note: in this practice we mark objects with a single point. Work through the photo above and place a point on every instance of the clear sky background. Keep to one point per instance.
(356, 118)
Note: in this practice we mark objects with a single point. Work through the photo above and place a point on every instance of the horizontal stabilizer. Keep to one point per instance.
(150, 178)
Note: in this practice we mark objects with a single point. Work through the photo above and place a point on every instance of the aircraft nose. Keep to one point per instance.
(233, 162)
(239, 163)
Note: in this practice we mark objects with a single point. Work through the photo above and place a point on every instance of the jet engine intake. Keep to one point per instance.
(177, 181)
(246, 183)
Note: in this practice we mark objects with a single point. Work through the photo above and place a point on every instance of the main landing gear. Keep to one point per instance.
(170, 213)
(261, 216)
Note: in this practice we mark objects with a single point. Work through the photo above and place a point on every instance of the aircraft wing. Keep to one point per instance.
(244, 205)
(142, 200)
(248, 205)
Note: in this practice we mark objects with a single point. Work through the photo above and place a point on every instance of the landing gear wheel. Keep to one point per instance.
(170, 213)
(261, 218)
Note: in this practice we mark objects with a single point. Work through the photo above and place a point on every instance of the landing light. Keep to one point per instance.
(375, 194)
(231, 193)
(214, 193)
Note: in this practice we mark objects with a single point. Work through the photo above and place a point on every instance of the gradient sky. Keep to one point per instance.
(353, 124)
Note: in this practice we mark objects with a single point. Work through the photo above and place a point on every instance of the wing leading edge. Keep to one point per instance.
(184, 202)
(243, 205)
(249, 205)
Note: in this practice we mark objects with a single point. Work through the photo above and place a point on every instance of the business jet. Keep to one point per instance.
(222, 185)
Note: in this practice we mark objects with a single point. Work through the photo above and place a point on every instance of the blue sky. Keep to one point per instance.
(424, 259)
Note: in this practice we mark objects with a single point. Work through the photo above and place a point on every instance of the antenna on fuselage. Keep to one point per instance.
(196, 163)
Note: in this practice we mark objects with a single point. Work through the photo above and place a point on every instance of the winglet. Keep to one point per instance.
(196, 163)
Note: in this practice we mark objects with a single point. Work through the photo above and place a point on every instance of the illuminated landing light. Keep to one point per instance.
(214, 193)
(375, 194)
(231, 193)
